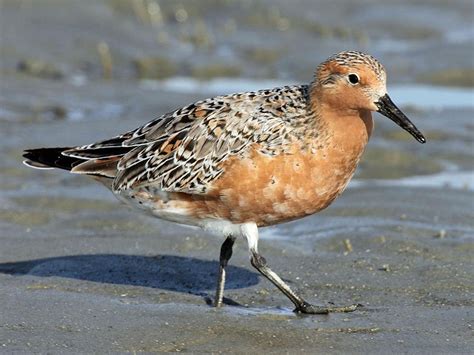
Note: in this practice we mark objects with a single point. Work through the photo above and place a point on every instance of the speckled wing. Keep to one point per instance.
(183, 151)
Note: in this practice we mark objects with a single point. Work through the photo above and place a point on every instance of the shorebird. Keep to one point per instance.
(233, 163)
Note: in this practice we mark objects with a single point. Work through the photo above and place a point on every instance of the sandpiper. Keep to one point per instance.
(233, 163)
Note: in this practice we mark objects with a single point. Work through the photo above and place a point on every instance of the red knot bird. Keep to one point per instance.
(233, 163)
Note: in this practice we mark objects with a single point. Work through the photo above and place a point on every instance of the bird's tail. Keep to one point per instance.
(47, 158)
(77, 160)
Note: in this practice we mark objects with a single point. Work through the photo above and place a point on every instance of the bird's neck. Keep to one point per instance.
(345, 125)
(339, 130)
(333, 119)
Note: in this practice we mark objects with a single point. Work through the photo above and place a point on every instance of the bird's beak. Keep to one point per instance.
(387, 108)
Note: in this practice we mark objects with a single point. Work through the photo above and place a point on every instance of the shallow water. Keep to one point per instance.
(463, 180)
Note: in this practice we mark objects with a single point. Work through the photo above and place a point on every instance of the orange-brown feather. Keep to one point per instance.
(270, 190)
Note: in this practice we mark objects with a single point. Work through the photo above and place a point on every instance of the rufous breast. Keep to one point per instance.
(273, 189)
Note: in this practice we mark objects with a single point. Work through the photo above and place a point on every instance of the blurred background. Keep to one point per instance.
(74, 264)
(124, 62)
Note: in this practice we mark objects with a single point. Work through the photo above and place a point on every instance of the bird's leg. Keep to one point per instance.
(226, 253)
(302, 306)
(258, 261)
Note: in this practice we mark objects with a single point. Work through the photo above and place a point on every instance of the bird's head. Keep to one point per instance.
(355, 81)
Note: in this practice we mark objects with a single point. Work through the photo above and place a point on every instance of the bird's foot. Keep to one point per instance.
(310, 309)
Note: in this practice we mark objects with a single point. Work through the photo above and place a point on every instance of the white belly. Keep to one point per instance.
(157, 204)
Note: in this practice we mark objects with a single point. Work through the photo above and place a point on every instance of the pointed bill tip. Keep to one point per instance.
(387, 108)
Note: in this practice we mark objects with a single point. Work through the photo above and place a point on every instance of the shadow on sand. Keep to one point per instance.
(167, 272)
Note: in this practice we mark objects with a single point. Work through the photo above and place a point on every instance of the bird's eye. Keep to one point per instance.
(353, 78)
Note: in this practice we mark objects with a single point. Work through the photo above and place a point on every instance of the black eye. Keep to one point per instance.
(353, 78)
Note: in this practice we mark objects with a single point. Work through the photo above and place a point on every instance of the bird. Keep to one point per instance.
(235, 163)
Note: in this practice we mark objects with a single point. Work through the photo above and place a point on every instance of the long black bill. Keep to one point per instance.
(390, 110)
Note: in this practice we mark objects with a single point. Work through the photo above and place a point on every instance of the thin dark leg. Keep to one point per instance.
(226, 253)
(302, 306)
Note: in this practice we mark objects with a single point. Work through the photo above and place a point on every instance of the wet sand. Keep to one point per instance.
(104, 279)
(81, 273)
